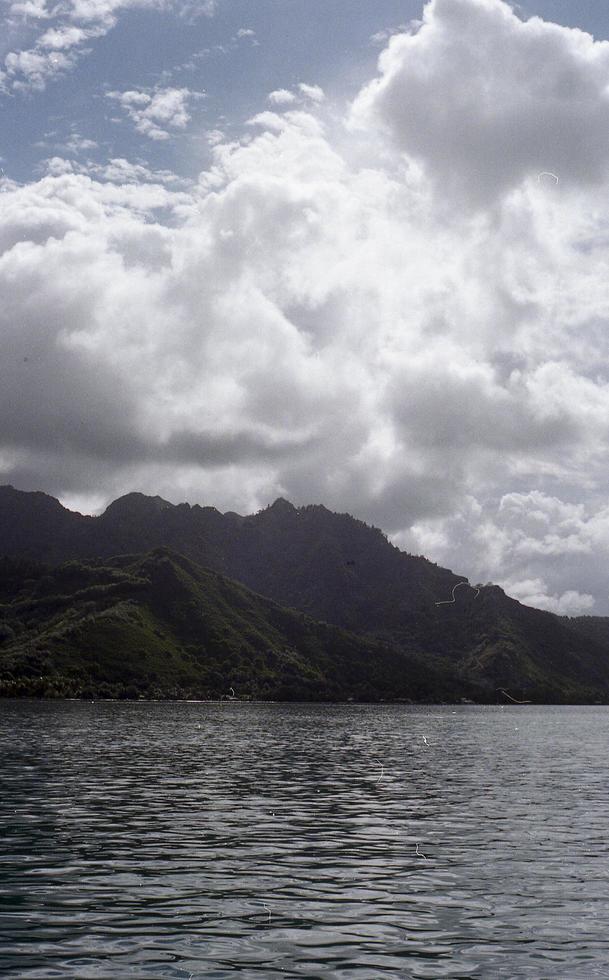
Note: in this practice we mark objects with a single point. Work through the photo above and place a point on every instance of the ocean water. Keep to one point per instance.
(321, 841)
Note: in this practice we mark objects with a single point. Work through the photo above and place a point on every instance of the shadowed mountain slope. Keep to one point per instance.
(331, 566)
(338, 570)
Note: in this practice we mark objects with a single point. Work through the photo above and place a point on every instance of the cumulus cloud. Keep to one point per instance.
(157, 112)
(58, 39)
(132, 177)
(325, 317)
(313, 92)
(281, 96)
(30, 70)
(484, 99)
(532, 544)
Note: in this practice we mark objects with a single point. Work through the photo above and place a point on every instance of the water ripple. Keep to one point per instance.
(214, 840)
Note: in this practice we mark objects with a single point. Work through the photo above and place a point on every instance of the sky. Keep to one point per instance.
(350, 252)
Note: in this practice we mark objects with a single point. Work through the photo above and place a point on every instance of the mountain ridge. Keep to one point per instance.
(348, 554)
(336, 570)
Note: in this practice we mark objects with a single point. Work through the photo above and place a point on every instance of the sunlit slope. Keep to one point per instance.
(160, 626)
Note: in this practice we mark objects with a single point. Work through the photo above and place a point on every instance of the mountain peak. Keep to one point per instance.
(136, 505)
(282, 506)
(28, 499)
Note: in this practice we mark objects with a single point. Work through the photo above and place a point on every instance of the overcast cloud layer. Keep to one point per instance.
(398, 309)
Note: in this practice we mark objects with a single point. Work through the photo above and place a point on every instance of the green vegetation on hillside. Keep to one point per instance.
(356, 617)
(162, 627)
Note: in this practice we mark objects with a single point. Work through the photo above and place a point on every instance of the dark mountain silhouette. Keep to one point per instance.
(330, 566)
(338, 570)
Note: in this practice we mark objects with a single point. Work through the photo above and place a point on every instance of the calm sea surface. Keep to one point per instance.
(330, 841)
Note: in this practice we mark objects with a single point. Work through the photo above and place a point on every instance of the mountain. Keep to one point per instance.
(160, 626)
(331, 566)
(336, 569)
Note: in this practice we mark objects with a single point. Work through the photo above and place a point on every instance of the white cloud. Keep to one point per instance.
(80, 144)
(313, 92)
(532, 544)
(37, 9)
(56, 166)
(281, 96)
(31, 70)
(268, 120)
(214, 136)
(321, 317)
(59, 39)
(484, 99)
(533, 592)
(118, 170)
(157, 112)
(381, 37)
(74, 23)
